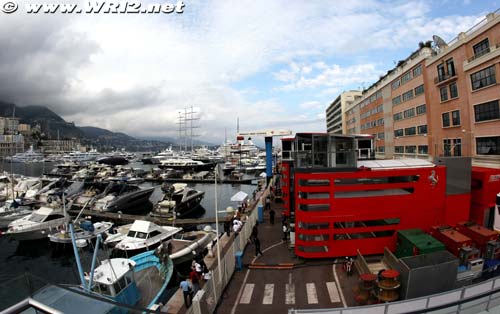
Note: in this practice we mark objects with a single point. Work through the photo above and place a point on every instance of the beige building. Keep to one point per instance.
(393, 110)
(463, 88)
(57, 146)
(335, 121)
(438, 102)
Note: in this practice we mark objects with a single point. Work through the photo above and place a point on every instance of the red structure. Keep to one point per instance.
(479, 234)
(341, 204)
(485, 186)
(452, 239)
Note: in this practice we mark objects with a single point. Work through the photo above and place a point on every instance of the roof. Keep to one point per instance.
(142, 226)
(395, 164)
(67, 301)
(112, 269)
(45, 211)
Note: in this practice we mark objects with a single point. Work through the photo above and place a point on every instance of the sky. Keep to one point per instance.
(272, 64)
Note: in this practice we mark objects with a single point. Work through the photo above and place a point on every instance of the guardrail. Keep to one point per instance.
(484, 296)
(207, 298)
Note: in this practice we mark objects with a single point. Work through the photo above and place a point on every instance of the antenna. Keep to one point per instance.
(439, 43)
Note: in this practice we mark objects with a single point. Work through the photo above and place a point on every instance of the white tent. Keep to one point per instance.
(239, 197)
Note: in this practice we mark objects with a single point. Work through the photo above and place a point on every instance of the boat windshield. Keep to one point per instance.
(141, 235)
(37, 217)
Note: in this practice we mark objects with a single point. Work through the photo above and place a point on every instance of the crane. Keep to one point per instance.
(268, 139)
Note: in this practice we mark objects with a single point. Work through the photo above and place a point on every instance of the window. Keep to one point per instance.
(441, 73)
(398, 116)
(419, 90)
(410, 131)
(405, 77)
(450, 67)
(380, 108)
(410, 149)
(380, 121)
(481, 48)
(380, 135)
(396, 100)
(487, 111)
(422, 129)
(455, 117)
(408, 95)
(417, 70)
(381, 149)
(452, 147)
(399, 149)
(409, 113)
(396, 84)
(423, 149)
(154, 233)
(483, 78)
(446, 119)
(453, 90)
(421, 109)
(488, 145)
(444, 93)
(398, 132)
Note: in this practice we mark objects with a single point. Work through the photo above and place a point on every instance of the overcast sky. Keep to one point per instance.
(273, 64)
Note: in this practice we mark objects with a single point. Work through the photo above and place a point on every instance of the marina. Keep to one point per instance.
(217, 158)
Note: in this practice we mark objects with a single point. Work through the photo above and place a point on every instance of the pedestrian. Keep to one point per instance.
(255, 232)
(256, 241)
(186, 291)
(268, 203)
(195, 281)
(237, 225)
(227, 227)
(198, 269)
(284, 218)
(349, 266)
(285, 232)
(271, 216)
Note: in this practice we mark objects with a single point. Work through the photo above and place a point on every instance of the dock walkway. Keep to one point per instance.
(277, 280)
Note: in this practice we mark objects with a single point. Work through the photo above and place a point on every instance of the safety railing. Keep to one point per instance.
(206, 300)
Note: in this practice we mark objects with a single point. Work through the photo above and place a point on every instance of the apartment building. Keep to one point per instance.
(462, 86)
(335, 123)
(393, 110)
(437, 102)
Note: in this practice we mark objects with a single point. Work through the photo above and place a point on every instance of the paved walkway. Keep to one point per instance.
(269, 283)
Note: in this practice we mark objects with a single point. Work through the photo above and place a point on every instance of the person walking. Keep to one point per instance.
(256, 242)
(285, 232)
(186, 291)
(268, 203)
(272, 213)
(255, 233)
(195, 281)
(227, 227)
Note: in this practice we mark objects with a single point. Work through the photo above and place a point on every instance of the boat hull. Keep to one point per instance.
(129, 203)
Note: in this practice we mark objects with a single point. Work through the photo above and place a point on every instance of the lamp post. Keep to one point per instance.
(469, 141)
(217, 224)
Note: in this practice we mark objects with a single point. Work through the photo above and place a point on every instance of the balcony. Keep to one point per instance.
(446, 78)
(488, 54)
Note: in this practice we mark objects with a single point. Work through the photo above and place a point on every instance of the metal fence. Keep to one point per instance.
(484, 296)
(205, 301)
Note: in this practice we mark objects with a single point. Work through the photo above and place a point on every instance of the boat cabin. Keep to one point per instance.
(45, 214)
(115, 278)
(142, 229)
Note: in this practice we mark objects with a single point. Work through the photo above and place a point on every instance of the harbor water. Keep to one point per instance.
(58, 266)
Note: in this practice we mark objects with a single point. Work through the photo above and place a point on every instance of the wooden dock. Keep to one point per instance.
(122, 219)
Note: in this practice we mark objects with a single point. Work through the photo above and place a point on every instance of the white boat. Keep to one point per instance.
(183, 247)
(114, 236)
(84, 231)
(143, 236)
(78, 156)
(11, 211)
(27, 157)
(37, 225)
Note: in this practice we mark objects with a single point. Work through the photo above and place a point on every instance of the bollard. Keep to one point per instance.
(260, 211)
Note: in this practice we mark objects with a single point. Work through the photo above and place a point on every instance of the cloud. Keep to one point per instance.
(332, 77)
(133, 73)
